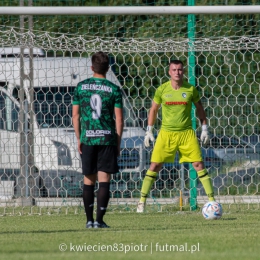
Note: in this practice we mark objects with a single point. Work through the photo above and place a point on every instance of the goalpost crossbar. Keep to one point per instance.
(129, 10)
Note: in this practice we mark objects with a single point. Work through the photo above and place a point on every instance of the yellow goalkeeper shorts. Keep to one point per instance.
(168, 143)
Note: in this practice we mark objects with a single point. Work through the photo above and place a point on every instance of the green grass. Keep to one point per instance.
(235, 236)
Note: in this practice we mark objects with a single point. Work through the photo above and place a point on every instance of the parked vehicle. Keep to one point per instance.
(253, 140)
(231, 149)
(54, 144)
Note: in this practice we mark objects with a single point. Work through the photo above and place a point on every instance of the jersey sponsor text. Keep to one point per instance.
(94, 133)
(176, 103)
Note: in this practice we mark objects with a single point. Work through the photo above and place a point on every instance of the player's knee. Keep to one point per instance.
(155, 167)
(198, 166)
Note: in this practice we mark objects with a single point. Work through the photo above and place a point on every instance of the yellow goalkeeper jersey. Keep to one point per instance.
(176, 105)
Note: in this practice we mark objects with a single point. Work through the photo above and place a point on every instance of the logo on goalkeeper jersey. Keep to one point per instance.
(176, 103)
(184, 95)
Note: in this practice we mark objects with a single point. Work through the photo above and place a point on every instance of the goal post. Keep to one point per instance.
(220, 50)
(192, 80)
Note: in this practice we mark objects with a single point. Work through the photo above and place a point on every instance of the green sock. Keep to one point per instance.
(207, 184)
(147, 184)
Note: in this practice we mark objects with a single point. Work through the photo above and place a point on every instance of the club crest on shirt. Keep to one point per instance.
(184, 95)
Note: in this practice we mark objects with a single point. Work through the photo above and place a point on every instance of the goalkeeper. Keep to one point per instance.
(176, 134)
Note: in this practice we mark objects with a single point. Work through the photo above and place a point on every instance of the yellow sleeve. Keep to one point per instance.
(196, 96)
(158, 96)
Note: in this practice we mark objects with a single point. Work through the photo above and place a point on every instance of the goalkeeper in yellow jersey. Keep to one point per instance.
(176, 134)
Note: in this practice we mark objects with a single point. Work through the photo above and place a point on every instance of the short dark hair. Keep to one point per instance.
(176, 62)
(100, 62)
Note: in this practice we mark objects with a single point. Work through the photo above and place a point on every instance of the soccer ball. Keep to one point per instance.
(212, 210)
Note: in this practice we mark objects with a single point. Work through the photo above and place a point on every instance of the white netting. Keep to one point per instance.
(226, 73)
(79, 43)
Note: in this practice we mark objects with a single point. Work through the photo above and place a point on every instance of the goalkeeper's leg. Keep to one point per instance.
(207, 183)
(191, 151)
(148, 181)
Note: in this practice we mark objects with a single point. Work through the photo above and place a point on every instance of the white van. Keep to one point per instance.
(56, 159)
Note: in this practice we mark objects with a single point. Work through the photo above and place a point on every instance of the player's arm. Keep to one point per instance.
(151, 121)
(119, 126)
(76, 124)
(203, 120)
(153, 113)
(201, 113)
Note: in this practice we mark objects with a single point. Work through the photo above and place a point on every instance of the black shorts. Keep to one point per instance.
(99, 158)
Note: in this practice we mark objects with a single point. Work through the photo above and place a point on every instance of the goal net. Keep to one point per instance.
(40, 168)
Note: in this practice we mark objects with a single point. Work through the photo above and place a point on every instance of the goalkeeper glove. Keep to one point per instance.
(148, 136)
(204, 137)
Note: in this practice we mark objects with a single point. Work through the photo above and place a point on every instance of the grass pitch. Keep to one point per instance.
(179, 235)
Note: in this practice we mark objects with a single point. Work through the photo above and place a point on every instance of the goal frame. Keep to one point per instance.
(138, 10)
